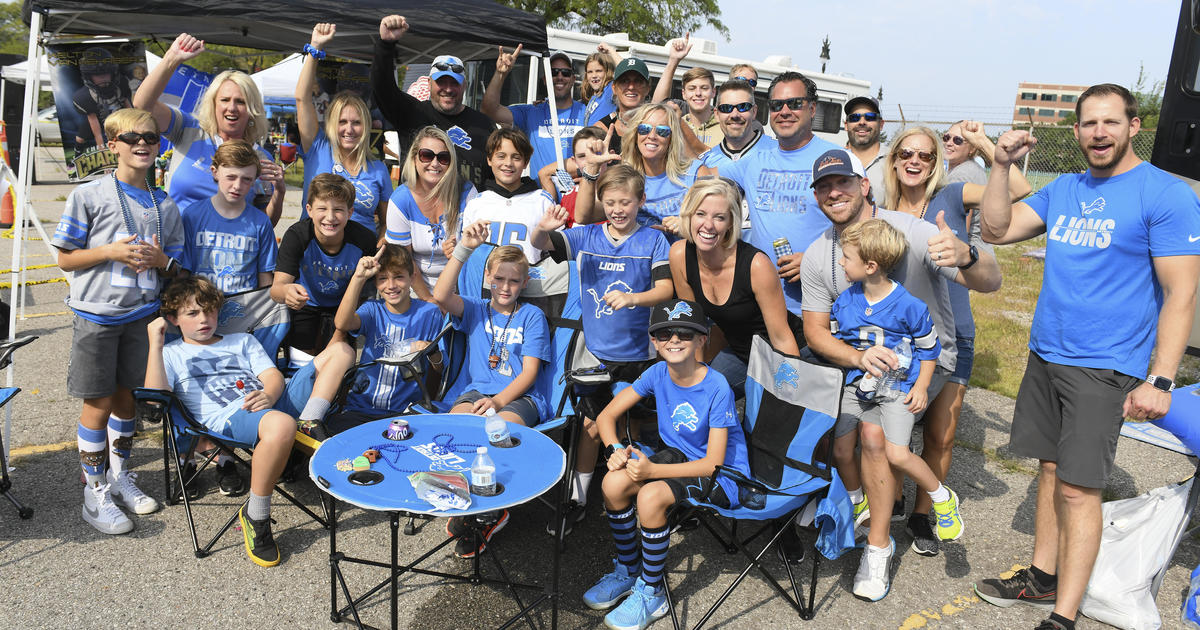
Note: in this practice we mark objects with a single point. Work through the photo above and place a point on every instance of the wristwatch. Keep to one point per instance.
(612, 448)
(1161, 383)
(974, 258)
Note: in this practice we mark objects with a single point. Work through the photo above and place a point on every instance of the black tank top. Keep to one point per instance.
(739, 317)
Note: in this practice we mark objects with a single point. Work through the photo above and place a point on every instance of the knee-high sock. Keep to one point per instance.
(625, 534)
(93, 453)
(120, 440)
(654, 555)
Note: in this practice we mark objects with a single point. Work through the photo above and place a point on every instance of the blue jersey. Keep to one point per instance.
(382, 387)
(897, 316)
(407, 225)
(599, 106)
(190, 178)
(778, 186)
(229, 252)
(1100, 298)
(685, 414)
(372, 185)
(535, 121)
(323, 274)
(631, 265)
(664, 197)
(511, 338)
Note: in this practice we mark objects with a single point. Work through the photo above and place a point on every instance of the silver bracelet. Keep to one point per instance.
(588, 176)
(462, 252)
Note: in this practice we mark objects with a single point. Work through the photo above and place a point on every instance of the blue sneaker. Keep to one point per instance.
(643, 606)
(610, 589)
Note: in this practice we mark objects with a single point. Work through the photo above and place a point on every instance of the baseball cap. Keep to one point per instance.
(632, 64)
(678, 314)
(558, 54)
(447, 66)
(862, 100)
(836, 162)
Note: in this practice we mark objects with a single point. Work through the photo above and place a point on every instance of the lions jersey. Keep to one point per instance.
(323, 274)
(229, 252)
(513, 215)
(382, 387)
(885, 323)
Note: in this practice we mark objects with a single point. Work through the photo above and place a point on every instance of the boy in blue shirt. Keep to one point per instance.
(876, 310)
(117, 239)
(699, 426)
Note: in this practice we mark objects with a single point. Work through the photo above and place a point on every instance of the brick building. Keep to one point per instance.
(1045, 103)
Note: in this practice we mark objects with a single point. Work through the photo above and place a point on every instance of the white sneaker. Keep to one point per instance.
(873, 579)
(125, 492)
(100, 511)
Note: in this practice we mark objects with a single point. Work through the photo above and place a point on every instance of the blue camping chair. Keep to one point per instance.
(6, 395)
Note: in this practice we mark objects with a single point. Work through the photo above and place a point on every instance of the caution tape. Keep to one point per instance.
(29, 283)
(29, 268)
(9, 234)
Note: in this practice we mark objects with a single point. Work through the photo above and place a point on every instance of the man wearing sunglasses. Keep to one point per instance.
(468, 128)
(535, 120)
(864, 125)
(737, 114)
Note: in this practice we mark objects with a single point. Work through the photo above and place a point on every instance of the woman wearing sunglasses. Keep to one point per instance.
(916, 185)
(342, 144)
(424, 212)
(654, 147)
(963, 142)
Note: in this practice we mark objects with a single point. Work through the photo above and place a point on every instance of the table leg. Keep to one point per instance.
(331, 509)
(395, 522)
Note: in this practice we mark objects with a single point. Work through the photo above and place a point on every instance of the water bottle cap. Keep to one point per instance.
(481, 449)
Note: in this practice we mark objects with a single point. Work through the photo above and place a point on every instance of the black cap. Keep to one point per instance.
(678, 314)
(862, 100)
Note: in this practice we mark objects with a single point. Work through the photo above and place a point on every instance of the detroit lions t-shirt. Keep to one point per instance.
(664, 197)
(510, 337)
(205, 377)
(383, 387)
(372, 184)
(323, 274)
(898, 316)
(229, 252)
(599, 106)
(535, 121)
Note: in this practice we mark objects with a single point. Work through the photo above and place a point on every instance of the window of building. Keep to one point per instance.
(1029, 96)
(1068, 98)
(1024, 111)
(1062, 113)
(1049, 97)
(1046, 112)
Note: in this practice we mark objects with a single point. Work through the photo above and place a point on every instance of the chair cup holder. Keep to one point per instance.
(515, 442)
(365, 477)
(387, 436)
(498, 492)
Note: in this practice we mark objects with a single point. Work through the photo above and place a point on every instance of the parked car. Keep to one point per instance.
(47, 127)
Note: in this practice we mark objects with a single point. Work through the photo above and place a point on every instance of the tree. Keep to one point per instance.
(1149, 95)
(651, 21)
(14, 33)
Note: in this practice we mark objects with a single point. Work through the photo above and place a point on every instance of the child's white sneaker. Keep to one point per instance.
(100, 511)
(126, 492)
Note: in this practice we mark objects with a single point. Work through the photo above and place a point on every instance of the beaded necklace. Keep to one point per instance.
(497, 341)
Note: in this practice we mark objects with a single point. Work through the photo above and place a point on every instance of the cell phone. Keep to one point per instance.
(782, 247)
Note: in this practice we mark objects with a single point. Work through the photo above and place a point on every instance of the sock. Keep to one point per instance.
(940, 494)
(259, 507)
(1044, 580)
(873, 549)
(624, 532)
(654, 555)
(314, 409)
(93, 455)
(856, 496)
(580, 482)
(120, 438)
(1069, 624)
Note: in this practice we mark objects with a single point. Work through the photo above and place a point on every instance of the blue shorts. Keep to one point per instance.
(298, 390)
(524, 407)
(966, 361)
(243, 426)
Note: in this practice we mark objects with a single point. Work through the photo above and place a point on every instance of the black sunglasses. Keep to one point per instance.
(665, 334)
(869, 116)
(906, 154)
(727, 108)
(132, 137)
(427, 155)
(452, 67)
(793, 104)
(752, 82)
(958, 140)
(561, 72)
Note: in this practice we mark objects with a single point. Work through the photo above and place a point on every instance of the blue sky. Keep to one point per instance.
(940, 59)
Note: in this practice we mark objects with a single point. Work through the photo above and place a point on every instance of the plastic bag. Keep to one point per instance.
(444, 491)
(1139, 537)
(1190, 616)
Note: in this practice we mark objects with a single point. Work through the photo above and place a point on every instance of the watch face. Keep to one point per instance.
(1163, 383)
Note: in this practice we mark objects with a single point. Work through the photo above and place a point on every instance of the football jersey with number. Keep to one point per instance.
(898, 316)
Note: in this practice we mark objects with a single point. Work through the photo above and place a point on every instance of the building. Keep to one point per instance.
(1044, 103)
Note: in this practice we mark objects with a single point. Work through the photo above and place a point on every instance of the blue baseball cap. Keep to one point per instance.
(448, 66)
(836, 162)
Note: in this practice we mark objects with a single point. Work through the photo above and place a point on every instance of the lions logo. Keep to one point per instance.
(602, 307)
(459, 137)
(1095, 206)
(786, 375)
(685, 416)
(679, 309)
(537, 273)
(329, 286)
(229, 311)
(227, 271)
(365, 197)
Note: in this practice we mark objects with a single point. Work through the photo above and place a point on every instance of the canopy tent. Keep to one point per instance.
(278, 82)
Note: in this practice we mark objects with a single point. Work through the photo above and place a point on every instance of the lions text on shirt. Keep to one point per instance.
(513, 215)
(536, 122)
(896, 317)
(407, 225)
(1100, 297)
(778, 187)
(664, 197)
(489, 333)
(205, 377)
(372, 184)
(189, 176)
(323, 274)
(111, 292)
(229, 252)
(383, 387)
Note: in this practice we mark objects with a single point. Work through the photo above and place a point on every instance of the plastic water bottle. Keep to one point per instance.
(886, 389)
(483, 473)
(497, 430)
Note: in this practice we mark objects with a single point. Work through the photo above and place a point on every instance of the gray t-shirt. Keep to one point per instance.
(822, 279)
(969, 172)
(874, 172)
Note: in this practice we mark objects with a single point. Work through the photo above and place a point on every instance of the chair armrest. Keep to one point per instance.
(152, 404)
(7, 348)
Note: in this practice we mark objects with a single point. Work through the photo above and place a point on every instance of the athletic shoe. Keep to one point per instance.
(611, 588)
(574, 515)
(924, 543)
(1021, 587)
(314, 429)
(873, 579)
(100, 511)
(862, 512)
(230, 480)
(898, 510)
(465, 547)
(790, 549)
(126, 492)
(260, 543)
(1050, 624)
(643, 606)
(195, 489)
(455, 527)
(949, 522)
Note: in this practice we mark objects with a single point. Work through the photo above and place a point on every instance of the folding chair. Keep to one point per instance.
(791, 405)
(6, 395)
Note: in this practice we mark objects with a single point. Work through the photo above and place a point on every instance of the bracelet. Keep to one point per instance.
(588, 176)
(462, 252)
(316, 53)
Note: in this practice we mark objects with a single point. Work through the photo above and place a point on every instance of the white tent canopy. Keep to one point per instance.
(279, 81)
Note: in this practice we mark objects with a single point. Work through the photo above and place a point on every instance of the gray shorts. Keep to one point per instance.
(892, 415)
(105, 356)
(852, 410)
(524, 406)
(1071, 416)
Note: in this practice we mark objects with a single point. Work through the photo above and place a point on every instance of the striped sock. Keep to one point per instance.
(624, 531)
(654, 555)
(120, 437)
(93, 455)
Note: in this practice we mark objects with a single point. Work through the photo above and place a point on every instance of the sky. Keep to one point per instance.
(964, 59)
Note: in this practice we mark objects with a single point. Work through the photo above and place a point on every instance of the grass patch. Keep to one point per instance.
(1003, 319)
(61, 198)
(294, 175)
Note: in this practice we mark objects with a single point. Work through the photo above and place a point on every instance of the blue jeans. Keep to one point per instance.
(733, 369)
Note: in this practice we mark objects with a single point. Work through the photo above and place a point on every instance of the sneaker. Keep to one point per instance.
(1050, 624)
(465, 547)
(574, 515)
(260, 543)
(898, 510)
(862, 512)
(949, 522)
(924, 542)
(790, 549)
(126, 492)
(1021, 587)
(643, 606)
(230, 480)
(314, 429)
(455, 527)
(100, 511)
(611, 588)
(873, 579)
(194, 488)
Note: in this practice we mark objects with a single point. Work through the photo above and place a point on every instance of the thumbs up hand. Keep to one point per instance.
(946, 249)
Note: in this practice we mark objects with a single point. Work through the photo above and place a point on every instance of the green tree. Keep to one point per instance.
(651, 21)
(14, 33)
(1149, 95)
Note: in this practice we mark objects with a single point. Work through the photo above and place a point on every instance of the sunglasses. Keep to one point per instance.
(793, 104)
(132, 137)
(427, 155)
(906, 154)
(727, 108)
(561, 72)
(869, 116)
(752, 82)
(663, 131)
(958, 140)
(665, 334)
(452, 67)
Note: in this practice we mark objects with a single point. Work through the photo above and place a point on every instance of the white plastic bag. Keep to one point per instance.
(1139, 537)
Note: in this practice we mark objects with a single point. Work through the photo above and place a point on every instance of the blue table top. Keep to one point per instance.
(440, 442)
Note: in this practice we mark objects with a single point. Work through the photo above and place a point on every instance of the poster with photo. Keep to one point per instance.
(91, 81)
(335, 76)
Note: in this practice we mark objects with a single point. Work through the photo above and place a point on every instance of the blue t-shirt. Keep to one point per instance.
(372, 185)
(512, 338)
(897, 316)
(664, 197)
(205, 377)
(1100, 299)
(949, 201)
(685, 414)
(383, 387)
(600, 105)
(190, 177)
(229, 252)
(323, 274)
(778, 187)
(535, 121)
(630, 266)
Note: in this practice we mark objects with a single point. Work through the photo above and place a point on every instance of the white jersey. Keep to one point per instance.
(513, 217)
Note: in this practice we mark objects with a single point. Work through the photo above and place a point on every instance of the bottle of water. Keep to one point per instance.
(886, 389)
(497, 430)
(483, 473)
